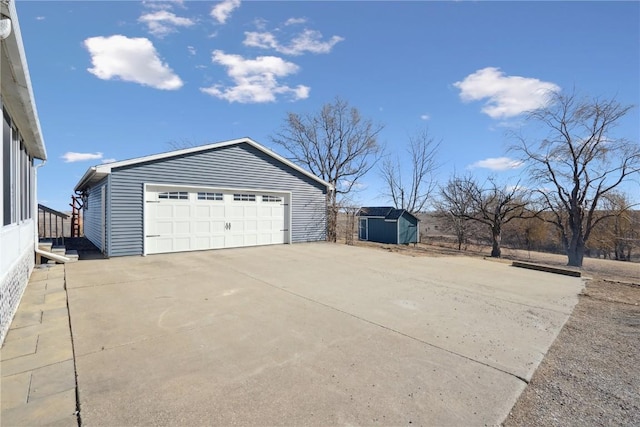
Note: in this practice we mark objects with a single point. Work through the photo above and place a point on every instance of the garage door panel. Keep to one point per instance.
(182, 244)
(203, 227)
(218, 226)
(181, 211)
(164, 211)
(182, 227)
(265, 225)
(203, 211)
(164, 227)
(211, 220)
(164, 244)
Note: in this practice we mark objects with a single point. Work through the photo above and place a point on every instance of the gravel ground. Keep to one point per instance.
(591, 374)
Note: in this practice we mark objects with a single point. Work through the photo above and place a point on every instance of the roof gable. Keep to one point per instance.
(96, 173)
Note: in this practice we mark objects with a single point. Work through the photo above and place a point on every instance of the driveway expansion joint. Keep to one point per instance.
(524, 380)
(73, 350)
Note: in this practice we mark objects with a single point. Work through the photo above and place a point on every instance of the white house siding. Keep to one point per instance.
(17, 226)
(21, 143)
(236, 166)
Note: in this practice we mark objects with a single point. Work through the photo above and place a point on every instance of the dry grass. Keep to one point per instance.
(621, 271)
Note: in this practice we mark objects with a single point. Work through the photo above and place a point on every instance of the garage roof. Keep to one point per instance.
(95, 174)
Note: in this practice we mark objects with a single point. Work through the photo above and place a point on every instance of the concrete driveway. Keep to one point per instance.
(308, 334)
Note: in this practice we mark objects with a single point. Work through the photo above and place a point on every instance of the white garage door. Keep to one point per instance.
(185, 219)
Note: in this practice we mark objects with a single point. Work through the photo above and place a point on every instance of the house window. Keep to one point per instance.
(244, 197)
(210, 196)
(6, 169)
(271, 199)
(174, 195)
(17, 192)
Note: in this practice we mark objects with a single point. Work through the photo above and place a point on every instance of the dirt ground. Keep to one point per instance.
(591, 374)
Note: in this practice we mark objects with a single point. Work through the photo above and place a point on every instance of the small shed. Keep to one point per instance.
(388, 225)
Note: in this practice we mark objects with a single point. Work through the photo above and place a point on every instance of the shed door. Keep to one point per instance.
(363, 229)
(179, 220)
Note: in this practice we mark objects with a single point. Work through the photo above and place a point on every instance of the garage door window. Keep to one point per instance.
(210, 196)
(244, 197)
(174, 195)
(271, 199)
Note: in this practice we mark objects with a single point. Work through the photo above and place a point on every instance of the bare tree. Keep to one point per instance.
(491, 205)
(414, 192)
(577, 164)
(618, 233)
(454, 207)
(336, 144)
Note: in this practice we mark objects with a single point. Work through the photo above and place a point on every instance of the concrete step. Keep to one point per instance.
(58, 250)
(72, 255)
(45, 246)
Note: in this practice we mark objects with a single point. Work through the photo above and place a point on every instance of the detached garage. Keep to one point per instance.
(224, 195)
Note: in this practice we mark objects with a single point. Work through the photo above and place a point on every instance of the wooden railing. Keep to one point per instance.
(53, 225)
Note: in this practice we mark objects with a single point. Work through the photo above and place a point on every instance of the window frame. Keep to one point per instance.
(173, 195)
(244, 197)
(210, 196)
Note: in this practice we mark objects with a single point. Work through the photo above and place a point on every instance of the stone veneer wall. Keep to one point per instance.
(11, 290)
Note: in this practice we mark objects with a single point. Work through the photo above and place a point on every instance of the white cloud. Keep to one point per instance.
(163, 22)
(497, 164)
(425, 117)
(192, 50)
(40, 18)
(306, 41)
(70, 157)
(108, 160)
(162, 4)
(132, 60)
(506, 96)
(222, 11)
(295, 21)
(255, 80)
(260, 23)
(355, 186)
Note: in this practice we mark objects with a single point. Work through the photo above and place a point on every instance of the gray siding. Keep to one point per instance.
(93, 215)
(235, 166)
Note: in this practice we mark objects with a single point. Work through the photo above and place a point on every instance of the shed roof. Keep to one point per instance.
(384, 212)
(375, 211)
(96, 173)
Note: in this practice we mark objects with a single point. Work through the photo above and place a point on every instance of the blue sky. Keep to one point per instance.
(123, 79)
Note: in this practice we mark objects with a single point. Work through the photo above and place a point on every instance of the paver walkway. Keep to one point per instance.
(38, 385)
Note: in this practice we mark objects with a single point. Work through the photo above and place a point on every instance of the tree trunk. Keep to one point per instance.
(576, 255)
(496, 237)
(575, 252)
(576, 245)
(332, 224)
